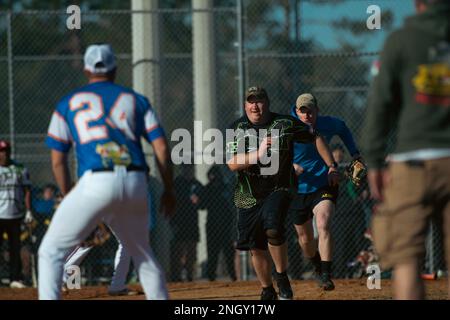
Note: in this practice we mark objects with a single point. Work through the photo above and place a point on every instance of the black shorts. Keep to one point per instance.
(301, 209)
(268, 214)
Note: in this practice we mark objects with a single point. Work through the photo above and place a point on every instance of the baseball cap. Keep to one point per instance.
(258, 92)
(4, 145)
(306, 100)
(99, 58)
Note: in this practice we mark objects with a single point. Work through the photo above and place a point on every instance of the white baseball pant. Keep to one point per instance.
(119, 197)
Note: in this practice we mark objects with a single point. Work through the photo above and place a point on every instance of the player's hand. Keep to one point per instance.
(28, 217)
(333, 177)
(168, 203)
(265, 144)
(356, 171)
(298, 169)
(378, 178)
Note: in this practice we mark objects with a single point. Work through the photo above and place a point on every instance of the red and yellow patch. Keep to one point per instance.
(432, 83)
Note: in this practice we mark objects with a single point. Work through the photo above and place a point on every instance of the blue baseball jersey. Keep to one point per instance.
(105, 123)
(315, 174)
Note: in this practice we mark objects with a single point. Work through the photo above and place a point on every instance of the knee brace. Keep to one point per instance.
(275, 237)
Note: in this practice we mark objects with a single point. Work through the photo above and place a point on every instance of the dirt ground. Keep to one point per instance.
(243, 290)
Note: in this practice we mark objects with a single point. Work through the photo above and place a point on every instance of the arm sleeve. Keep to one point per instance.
(153, 129)
(59, 136)
(384, 103)
(26, 178)
(346, 136)
(234, 142)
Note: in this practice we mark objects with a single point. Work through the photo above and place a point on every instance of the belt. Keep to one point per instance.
(131, 167)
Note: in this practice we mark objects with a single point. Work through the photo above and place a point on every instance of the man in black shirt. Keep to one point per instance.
(261, 151)
(220, 223)
(184, 224)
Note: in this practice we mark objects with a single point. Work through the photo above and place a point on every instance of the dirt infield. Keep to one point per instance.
(243, 290)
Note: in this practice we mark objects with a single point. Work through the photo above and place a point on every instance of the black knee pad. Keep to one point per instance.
(275, 237)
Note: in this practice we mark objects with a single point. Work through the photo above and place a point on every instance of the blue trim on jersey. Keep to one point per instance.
(57, 145)
(315, 174)
(155, 134)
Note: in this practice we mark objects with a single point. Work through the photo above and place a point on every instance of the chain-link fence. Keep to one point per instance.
(289, 47)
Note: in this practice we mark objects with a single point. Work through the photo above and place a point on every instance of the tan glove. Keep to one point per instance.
(356, 171)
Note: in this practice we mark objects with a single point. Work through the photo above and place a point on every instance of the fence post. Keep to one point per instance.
(241, 85)
(205, 97)
(240, 53)
(146, 73)
(12, 136)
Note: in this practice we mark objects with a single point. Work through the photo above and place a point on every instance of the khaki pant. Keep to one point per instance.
(416, 193)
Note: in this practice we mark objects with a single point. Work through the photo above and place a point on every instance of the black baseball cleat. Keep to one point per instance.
(284, 286)
(325, 282)
(269, 293)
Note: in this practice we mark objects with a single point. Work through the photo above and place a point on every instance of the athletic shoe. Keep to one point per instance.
(325, 282)
(269, 294)
(17, 285)
(284, 286)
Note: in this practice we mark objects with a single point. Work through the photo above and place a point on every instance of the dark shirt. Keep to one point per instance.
(185, 221)
(412, 88)
(253, 186)
(214, 199)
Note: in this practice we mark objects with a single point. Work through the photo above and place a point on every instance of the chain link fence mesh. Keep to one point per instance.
(287, 49)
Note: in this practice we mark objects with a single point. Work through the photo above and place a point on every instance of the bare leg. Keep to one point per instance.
(263, 265)
(323, 212)
(407, 282)
(237, 264)
(306, 239)
(279, 257)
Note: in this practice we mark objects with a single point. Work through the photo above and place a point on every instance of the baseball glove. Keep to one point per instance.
(356, 171)
(99, 236)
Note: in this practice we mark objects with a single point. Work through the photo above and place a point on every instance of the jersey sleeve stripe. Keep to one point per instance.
(54, 144)
(155, 134)
(58, 139)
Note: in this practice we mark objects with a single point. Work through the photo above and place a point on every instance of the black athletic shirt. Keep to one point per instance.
(253, 186)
